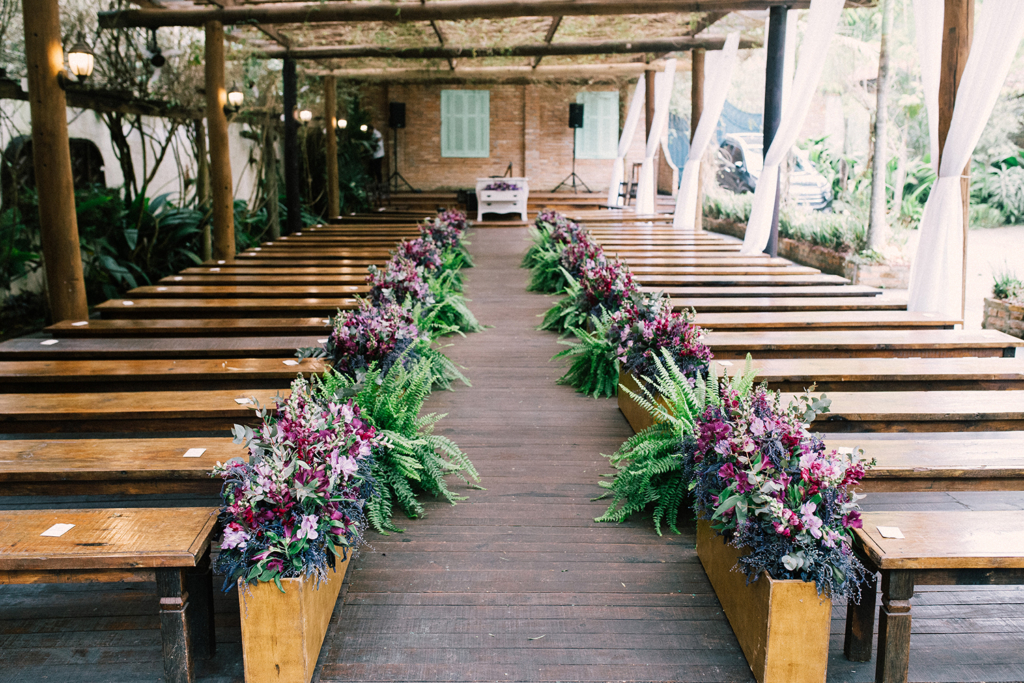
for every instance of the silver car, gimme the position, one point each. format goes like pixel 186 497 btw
pixel 741 158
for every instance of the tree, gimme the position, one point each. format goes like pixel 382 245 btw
pixel 877 228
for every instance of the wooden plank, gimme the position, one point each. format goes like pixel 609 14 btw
pixel 753 292
pixel 674 278
pixel 244 291
pixel 251 308
pixel 782 304
pixel 862 343
pixel 116 538
pixel 825 320
pixel 32 348
pixel 903 411
pixel 204 327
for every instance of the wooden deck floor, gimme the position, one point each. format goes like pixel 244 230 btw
pixel 517 583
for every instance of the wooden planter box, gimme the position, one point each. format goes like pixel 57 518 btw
pixel 782 626
pixel 1004 316
pixel 639 419
pixel 282 632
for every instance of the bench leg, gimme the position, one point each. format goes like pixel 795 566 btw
pixel 199 584
pixel 179 666
pixel 894 627
pixel 860 622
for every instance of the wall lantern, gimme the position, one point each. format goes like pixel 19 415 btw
pixel 235 99
pixel 364 128
pixel 304 116
pixel 81 59
pixel 342 124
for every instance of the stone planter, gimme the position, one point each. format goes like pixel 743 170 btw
pixel 1004 316
pixel 782 626
pixel 282 632
pixel 889 276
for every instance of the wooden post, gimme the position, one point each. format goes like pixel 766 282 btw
pixel 696 110
pixel 331 115
pixel 270 179
pixel 221 185
pixel 957 32
pixel 774 75
pixel 293 201
pixel 203 189
pixel 51 156
pixel 650 101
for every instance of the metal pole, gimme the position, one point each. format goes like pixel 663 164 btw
pixel 293 201
pixel 774 70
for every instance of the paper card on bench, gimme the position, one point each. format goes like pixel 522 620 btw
pixel 291 362
pixel 80 323
pixel 194 452
pixel 49 342
pixel 890 532
pixel 243 401
pixel 321 341
pixel 58 530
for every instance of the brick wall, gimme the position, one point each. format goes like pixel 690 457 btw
pixel 528 128
pixel 1003 316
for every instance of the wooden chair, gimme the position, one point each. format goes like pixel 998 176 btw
pixel 627 188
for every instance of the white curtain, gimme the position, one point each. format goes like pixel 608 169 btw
pixel 936 278
pixel 636 106
pixel 718 68
pixel 646 190
pixel 821 24
pixel 928 16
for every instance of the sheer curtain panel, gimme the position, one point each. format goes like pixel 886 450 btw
pixel 636 107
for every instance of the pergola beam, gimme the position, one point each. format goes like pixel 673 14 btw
pixel 548 37
pixel 494 74
pixel 596 47
pixel 450 10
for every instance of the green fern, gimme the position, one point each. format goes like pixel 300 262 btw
pixel 594 370
pixel 413 459
pixel 547 275
pixel 570 311
pixel 443 370
pixel 541 238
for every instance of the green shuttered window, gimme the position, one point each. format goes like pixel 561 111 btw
pixel 599 136
pixel 466 123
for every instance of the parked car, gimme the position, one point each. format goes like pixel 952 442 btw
pixel 741 158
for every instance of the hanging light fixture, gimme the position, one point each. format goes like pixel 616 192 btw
pixel 364 128
pixel 342 124
pixel 305 116
pixel 235 99
pixel 81 59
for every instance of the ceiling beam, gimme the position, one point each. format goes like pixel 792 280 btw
pixel 268 31
pixel 496 74
pixel 590 47
pixel 450 10
pixel 701 24
pixel 555 23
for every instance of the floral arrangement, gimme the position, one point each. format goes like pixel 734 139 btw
pixel 423 252
pixel 446 230
pixel 551 233
pixel 602 286
pixel 380 333
pixel 579 255
pixel 641 332
pixel 399 282
pixel 301 493
pixel 502 186
pixel 773 489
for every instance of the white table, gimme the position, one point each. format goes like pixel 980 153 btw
pixel 501 201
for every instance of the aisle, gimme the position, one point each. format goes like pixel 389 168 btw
pixel 518 582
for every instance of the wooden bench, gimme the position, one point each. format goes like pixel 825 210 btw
pixel 323 273
pixel 769 291
pixel 219 308
pixel 227 291
pixel 170 327
pixel 72 467
pixel 826 320
pixel 888 374
pixel 786 303
pixel 924 411
pixel 675 278
pixel 272 279
pixel 236 374
pixel 862 344
pixel 166 348
pixel 126 411
pixel 957 548
pixel 170 546
pixel 950 463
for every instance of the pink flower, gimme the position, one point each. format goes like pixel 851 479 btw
pixel 307 529
pixel 234 537
pixel 811 521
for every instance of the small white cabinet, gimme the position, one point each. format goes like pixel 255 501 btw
pixel 501 201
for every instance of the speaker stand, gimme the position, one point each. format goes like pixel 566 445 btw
pixel 572 176
pixel 396 180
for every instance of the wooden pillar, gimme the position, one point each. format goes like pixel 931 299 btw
pixel 293 200
pixel 650 101
pixel 696 110
pixel 221 185
pixel 51 156
pixel 331 116
pixel 270 179
pixel 203 189
pixel 957 32
pixel 774 76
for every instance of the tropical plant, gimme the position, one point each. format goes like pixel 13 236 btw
pixel 1007 286
pixel 411 458
pixel 592 369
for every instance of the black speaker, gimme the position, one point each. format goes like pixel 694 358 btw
pixel 575 115
pixel 396 114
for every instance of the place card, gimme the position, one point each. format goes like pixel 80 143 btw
pixel 844 450
pixel 890 532
pixel 221 262
pixel 194 452
pixel 269 244
pixel 298 234
pixel 291 362
pixel 127 303
pixel 178 278
pixel 321 341
pixel 49 342
pixel 161 289
pixel 214 270
pixel 724 363
pixel 58 530
pixel 80 323
pixel 257 248
pixel 243 401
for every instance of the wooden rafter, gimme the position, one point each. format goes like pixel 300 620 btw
pixel 269 31
pixel 495 74
pixel 450 10
pixel 590 47
pixel 700 25
pixel 555 23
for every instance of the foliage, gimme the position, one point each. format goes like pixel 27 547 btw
pixel 1000 187
pixel 301 492
pixel 1007 286
pixel 410 457
pixel 645 328
pixel 593 370
pixel 381 334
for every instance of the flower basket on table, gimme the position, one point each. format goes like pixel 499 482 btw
pixel 292 512
pixel 775 511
